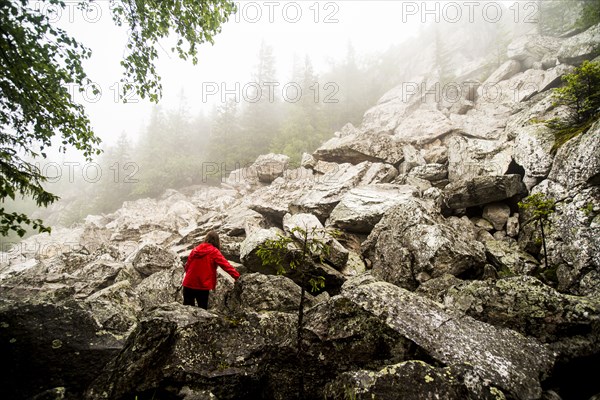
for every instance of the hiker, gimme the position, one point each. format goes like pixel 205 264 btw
pixel 201 270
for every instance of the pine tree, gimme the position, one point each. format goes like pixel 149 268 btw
pixel 305 126
pixel 261 118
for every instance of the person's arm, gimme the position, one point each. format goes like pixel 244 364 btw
pixel 227 267
pixel 187 263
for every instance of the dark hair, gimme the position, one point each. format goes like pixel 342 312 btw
pixel 212 237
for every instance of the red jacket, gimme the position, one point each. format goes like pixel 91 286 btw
pixel 201 267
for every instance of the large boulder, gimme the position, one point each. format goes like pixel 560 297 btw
pixel 500 357
pixel 251 245
pixel 160 288
pixel 529 49
pixel 584 46
pixel 509 259
pixel 270 166
pixel 357 148
pixel 115 308
pixel 482 190
pixel 273 201
pixel 507 70
pixel 152 258
pixel 412 159
pixel 260 293
pixel 430 172
pixel 525 304
pixel 242 179
pixel 340 336
pixel 573 243
pixel 328 191
pixel 577 162
pixel 393 106
pixel 422 126
pixel 533 150
pixel 470 157
pixel 299 224
pixel 362 207
pixel 168 214
pixel 413 243
pixel 95 276
pixel 497 214
pixel 178 349
pixel 417 379
pixel 46 346
pixel 569 325
pixel 238 220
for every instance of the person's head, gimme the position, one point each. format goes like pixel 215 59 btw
pixel 212 237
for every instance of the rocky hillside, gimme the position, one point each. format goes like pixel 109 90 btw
pixel 434 288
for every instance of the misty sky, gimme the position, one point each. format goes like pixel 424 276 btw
pixel 320 29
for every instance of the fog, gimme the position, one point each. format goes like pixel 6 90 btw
pixel 314 65
pixel 321 30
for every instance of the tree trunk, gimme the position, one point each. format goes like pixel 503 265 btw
pixel 299 350
pixel 544 245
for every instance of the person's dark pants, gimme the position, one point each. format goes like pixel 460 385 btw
pixel 191 296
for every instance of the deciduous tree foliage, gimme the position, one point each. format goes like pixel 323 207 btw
pixel 38 61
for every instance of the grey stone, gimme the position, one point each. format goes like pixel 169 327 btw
pixel 70 348
pixel 328 191
pixel 482 223
pixel 470 158
pixel 250 246
pixel 505 71
pixel 497 214
pixel 260 293
pixel 242 179
pixel 430 172
pixel 307 161
pixel 362 207
pixel 508 258
pixel 151 258
pixel 270 166
pixel 423 126
pixel 512 225
pixel 358 148
pixel 573 242
pixel 412 157
pixel 393 106
pixel 502 357
pixel 581 47
pixel 483 236
pixel 533 150
pixel 526 305
pixel 115 308
pixel 437 154
pixel 273 200
pixel 499 235
pixel 416 378
pixel 412 238
pixel 178 346
pixel 531 48
pixel 577 162
pixel 308 223
pixel 161 288
pixel 421 184
pixel 482 190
